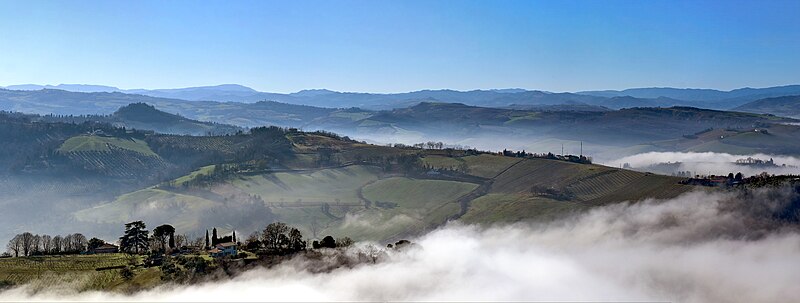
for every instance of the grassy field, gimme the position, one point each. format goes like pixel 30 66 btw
pixel 488 166
pixel 540 188
pixel 205 170
pixel 484 165
pixel 77 271
pixel 99 143
pixel 415 200
pixel 584 183
pixel 497 208
pixel 156 205
pixel 325 185
pixel 443 162
pixel 414 194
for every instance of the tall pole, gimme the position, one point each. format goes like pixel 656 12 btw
pixel 581 148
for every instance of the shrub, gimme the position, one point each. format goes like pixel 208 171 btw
pixel 126 273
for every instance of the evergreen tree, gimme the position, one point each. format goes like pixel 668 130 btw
pixel 207 244
pixel 214 238
pixel 95 243
pixel 135 239
pixel 163 234
pixel 234 236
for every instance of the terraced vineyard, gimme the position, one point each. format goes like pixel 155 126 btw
pixel 115 157
pixel 119 162
pixel 101 143
pixel 541 188
pixel 222 144
pixel 597 185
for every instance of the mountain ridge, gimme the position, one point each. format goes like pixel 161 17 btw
pixel 649 96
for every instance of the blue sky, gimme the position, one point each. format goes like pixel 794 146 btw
pixel 393 46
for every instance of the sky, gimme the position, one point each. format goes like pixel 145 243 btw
pixel 397 46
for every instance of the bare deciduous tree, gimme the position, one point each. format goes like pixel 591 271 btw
pixel 181 240
pixel 57 244
pixel 272 235
pixel 15 245
pixel 36 244
pixel 66 243
pixel 371 253
pixel 47 244
pixel 27 243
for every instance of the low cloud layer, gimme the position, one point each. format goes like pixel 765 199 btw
pixel 700 247
pixel 710 163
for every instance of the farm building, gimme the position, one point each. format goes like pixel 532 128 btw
pixel 106 249
pixel 223 250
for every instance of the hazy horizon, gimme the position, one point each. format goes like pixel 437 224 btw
pixel 6 86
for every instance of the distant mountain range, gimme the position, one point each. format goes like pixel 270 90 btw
pixel 636 97
pixel 60 102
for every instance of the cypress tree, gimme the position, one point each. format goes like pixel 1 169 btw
pixel 234 236
pixel 207 238
pixel 214 236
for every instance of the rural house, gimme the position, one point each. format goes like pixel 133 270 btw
pixel 223 250
pixel 106 249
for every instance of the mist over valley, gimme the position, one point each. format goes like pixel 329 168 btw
pixel 399 151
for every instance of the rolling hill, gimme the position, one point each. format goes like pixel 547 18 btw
pixel 540 129
pixel 617 128
pixel 147 117
pixel 532 127
pixel 786 106
pixel 365 201
pixel 320 182
pixel 708 98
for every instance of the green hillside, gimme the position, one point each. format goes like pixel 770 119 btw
pixel 312 186
pixel 103 143
pixel 485 165
pixel 366 202
pixel 768 139
pixel 418 194
pixel 543 189
pixel 321 182
pixel 126 158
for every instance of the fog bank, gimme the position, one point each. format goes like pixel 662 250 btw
pixel 700 247
pixel 710 163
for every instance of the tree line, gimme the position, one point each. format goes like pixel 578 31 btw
pixel 28 244
pixel 569 158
